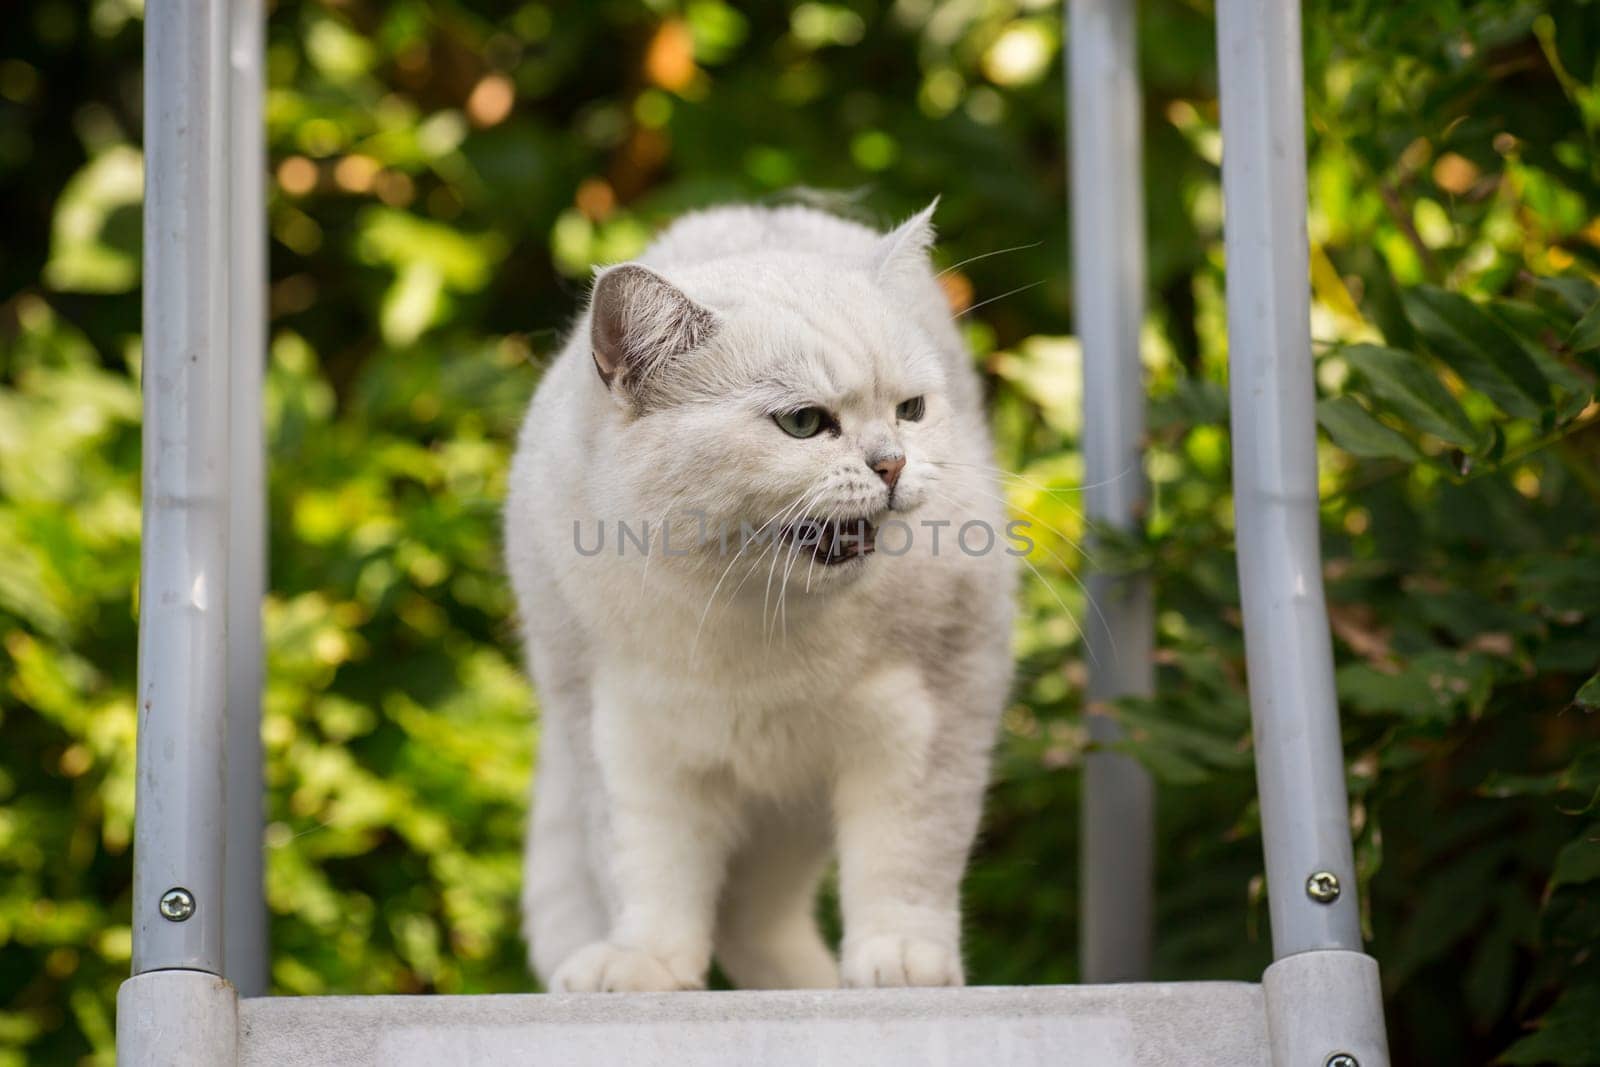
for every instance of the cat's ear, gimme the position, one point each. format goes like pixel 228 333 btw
pixel 639 321
pixel 902 253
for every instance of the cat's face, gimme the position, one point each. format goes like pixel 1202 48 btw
pixel 805 411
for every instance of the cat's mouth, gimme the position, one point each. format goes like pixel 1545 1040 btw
pixel 833 541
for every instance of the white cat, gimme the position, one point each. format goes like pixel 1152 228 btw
pixel 779 391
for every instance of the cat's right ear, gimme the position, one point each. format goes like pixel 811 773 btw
pixel 640 324
pixel 902 253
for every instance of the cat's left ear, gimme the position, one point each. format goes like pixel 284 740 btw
pixel 902 253
pixel 639 323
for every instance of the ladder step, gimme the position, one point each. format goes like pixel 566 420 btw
pixel 1192 1024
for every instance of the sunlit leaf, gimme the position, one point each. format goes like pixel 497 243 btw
pixel 1330 288
pixel 461 261
pixel 95 239
pixel 412 304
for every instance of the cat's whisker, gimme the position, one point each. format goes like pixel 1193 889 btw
pixel 1084 487
pixel 782 612
pixel 1063 604
pixel 767 597
pixel 1001 472
pixel 1078 545
pixel 1005 503
pixel 783 591
pixel 755 564
pixel 1002 296
pixel 743 544
pixel 644 574
pixel 1066 568
pixel 986 255
pixel 833 513
pixel 1089 597
pixel 1056 493
pixel 771 543
pixel 753 568
pixel 783 586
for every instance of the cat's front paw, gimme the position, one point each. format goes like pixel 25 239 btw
pixel 603 967
pixel 893 960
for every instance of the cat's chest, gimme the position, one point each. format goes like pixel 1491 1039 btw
pixel 781 730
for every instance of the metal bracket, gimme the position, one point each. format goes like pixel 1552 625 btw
pixel 1325 1008
pixel 177 1019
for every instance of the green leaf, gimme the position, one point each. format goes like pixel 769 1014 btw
pixel 1568 1033
pixel 1442 916
pixel 1576 293
pixel 1490 977
pixel 1408 386
pixel 1578 862
pixel 1534 327
pixel 1580 777
pixel 1589 693
pixel 1586 334
pixel 1436 685
pixel 1355 430
pixel 1480 350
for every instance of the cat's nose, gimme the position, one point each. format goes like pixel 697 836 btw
pixel 889 468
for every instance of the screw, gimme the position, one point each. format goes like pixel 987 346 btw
pixel 177 904
pixel 1323 887
pixel 1342 1059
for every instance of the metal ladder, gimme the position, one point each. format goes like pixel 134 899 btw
pixel 199 922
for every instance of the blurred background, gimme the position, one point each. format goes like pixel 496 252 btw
pixel 444 176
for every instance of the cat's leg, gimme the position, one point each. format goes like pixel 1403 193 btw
pixel 767 935
pixel 562 904
pixel 907 803
pixel 670 834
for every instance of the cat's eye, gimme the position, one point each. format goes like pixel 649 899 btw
pixel 910 410
pixel 807 422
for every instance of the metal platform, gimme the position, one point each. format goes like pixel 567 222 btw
pixel 1113 1026
pixel 1310 1010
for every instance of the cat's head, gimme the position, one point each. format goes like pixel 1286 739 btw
pixel 776 407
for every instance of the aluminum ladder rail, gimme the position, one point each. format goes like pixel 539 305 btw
pixel 1117 849
pixel 198 923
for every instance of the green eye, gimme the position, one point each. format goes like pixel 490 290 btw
pixel 807 422
pixel 910 410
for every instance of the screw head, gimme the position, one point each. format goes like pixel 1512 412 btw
pixel 1323 887
pixel 177 904
pixel 1341 1059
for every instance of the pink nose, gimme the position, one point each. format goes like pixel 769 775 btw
pixel 889 469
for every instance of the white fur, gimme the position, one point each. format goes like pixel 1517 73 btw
pixel 715 727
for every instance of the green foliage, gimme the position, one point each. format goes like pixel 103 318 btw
pixel 445 176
